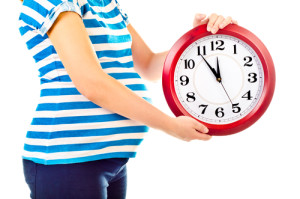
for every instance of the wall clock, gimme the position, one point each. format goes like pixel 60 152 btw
pixel 225 80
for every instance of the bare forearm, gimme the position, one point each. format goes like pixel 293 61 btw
pixel 155 67
pixel 111 94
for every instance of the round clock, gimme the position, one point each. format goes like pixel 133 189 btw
pixel 225 80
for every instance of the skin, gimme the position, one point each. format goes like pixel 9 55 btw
pixel 75 50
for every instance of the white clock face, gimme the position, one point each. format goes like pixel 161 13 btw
pixel 219 79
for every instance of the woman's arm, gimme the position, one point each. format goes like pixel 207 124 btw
pixel 75 50
pixel 150 65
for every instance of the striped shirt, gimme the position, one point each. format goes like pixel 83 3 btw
pixel 67 127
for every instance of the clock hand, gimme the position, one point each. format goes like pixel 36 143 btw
pixel 219 79
pixel 211 68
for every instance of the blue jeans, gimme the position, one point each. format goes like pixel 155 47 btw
pixel 101 179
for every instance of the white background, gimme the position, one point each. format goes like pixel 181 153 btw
pixel 260 162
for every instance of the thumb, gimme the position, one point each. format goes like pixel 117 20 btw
pixel 198 20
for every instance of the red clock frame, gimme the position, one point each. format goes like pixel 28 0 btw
pixel 242 34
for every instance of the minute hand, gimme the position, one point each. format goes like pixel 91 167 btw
pixel 211 68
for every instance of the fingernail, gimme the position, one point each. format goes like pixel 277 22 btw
pixel 214 30
pixel 208 28
pixel 222 26
pixel 206 130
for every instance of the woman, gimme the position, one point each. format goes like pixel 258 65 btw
pixel 93 110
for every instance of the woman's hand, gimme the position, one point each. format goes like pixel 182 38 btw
pixel 214 22
pixel 187 129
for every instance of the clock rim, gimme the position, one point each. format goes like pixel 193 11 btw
pixel 246 36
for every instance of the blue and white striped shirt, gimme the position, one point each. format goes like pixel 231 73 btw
pixel 67 127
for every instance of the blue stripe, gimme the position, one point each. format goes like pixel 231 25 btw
pixel 49 67
pixel 63 78
pixel 86 132
pixel 80 147
pixel 124 75
pixel 137 87
pixel 29 20
pixel 35 41
pixel 114 53
pixel 59 91
pixel 94 23
pixel 44 53
pixel 77 119
pixel 99 39
pixel 83 159
pixel 24 29
pixel 116 64
pixel 66 106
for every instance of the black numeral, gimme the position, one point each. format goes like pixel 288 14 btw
pixel 234 49
pixel 247 95
pixel 203 50
pixel 253 77
pixel 189 64
pixel 236 108
pixel 219 44
pixel 190 97
pixel 219 112
pixel 184 80
pixel 248 61
pixel 204 108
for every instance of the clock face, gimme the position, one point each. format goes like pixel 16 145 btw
pixel 218 79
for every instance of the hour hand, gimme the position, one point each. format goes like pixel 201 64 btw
pixel 209 66
pixel 219 79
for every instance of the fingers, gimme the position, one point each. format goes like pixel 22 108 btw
pixel 201 132
pixel 217 22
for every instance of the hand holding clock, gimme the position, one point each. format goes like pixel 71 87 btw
pixel 214 22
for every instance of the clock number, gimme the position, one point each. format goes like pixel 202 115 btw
pixel 204 108
pixel 219 112
pixel 247 95
pixel 234 49
pixel 184 80
pixel 236 108
pixel 203 50
pixel 218 42
pixel 189 64
pixel 190 97
pixel 254 76
pixel 248 61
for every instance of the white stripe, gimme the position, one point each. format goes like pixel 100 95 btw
pixel 55 73
pixel 33 14
pixel 112 46
pixel 71 85
pixel 124 59
pixel 83 126
pixel 106 31
pixel 28 35
pixel 51 58
pixel 76 98
pixel 81 140
pixel 109 7
pixel 47 4
pixel 69 113
pixel 78 154
pixel 63 98
pixel 119 70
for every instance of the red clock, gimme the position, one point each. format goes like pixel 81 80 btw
pixel 225 80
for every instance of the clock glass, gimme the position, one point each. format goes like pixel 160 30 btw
pixel 218 79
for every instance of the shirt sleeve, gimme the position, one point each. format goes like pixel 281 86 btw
pixel 123 14
pixel 41 14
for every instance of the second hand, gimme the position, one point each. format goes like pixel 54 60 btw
pixel 226 93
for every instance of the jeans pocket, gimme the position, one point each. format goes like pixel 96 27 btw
pixel 29 169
